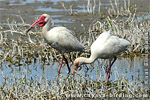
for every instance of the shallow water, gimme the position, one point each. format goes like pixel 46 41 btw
pixel 130 68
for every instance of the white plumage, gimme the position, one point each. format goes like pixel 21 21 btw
pixel 62 39
pixel 106 46
pixel 59 38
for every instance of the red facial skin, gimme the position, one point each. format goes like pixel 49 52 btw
pixel 76 67
pixel 40 21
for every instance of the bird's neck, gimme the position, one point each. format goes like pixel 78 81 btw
pixel 46 27
pixel 89 60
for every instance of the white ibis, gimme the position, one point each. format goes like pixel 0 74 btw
pixel 106 46
pixel 59 38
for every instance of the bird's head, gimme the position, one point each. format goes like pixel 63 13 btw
pixel 77 63
pixel 43 19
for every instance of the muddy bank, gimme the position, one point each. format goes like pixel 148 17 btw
pixel 29 9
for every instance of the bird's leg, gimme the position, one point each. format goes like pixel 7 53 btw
pixel 67 64
pixel 109 69
pixel 60 65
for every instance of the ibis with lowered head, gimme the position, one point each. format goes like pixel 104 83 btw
pixel 106 46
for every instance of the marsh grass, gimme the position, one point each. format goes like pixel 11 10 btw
pixel 68 87
pixel 20 49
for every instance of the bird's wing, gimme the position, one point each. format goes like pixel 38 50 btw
pixel 116 45
pixel 100 41
pixel 98 48
pixel 68 42
pixel 107 45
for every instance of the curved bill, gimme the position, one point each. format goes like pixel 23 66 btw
pixel 74 69
pixel 28 30
pixel 34 24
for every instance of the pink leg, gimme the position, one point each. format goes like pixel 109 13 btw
pixel 60 65
pixel 109 69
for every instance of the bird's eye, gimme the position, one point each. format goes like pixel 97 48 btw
pixel 77 64
pixel 43 17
